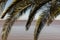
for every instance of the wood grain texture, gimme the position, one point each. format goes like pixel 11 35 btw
pixel 18 31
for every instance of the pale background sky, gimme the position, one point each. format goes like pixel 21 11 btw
pixel 25 16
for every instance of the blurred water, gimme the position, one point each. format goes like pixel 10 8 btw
pixel 48 33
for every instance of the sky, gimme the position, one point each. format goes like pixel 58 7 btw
pixel 25 16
